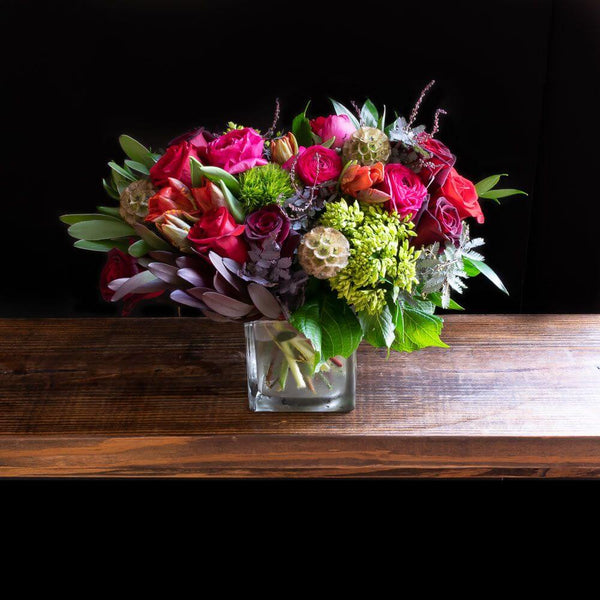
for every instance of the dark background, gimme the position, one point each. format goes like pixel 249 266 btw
pixel 519 79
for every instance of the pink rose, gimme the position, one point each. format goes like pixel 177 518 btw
pixel 316 164
pixel 236 151
pixel 405 189
pixel 338 126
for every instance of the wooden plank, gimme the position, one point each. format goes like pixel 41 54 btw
pixel 297 456
pixel 504 376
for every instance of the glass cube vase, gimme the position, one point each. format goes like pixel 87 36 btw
pixel 281 375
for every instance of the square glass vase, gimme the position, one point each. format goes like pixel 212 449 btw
pixel 281 374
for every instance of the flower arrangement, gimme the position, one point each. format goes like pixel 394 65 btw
pixel 344 228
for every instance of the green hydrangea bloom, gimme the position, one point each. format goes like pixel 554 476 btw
pixel 381 256
pixel 264 185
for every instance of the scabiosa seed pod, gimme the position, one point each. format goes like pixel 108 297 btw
pixel 367 145
pixel 134 201
pixel 323 252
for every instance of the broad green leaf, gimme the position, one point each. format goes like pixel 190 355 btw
pixel 120 182
pixel 111 211
pixel 137 166
pixel 487 271
pixel 488 183
pixel 381 122
pixel 470 269
pixel 307 320
pixel 121 171
pixel 100 229
pixel 302 130
pixel 436 298
pixel 139 248
pixel 340 109
pixel 233 204
pixel 214 174
pixel 136 151
pixel 101 245
pixel 341 330
pixel 421 330
pixel 79 218
pixel 369 114
pixel 378 330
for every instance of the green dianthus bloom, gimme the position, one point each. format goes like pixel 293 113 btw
pixel 381 257
pixel 264 185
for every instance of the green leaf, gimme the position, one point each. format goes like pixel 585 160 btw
pixel 111 211
pixel 436 298
pixel 136 151
pixel 233 204
pixel 328 143
pixel 470 269
pixel 151 239
pixel 369 114
pixel 214 174
pixel 488 183
pixel 307 320
pixel 378 330
pixel 121 171
pixel 137 166
pixel 341 330
pixel 302 130
pixel 381 122
pixel 139 248
pixel 421 330
pixel 101 245
pixel 110 190
pixel 79 218
pixel 340 109
pixel 487 271
pixel 501 193
pixel 100 229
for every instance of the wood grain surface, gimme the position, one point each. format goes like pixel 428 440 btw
pixel 513 396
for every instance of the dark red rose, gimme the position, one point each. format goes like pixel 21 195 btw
pixel 439 163
pixel 119 265
pixel 270 222
pixel 175 163
pixel 461 192
pixel 439 223
pixel 216 230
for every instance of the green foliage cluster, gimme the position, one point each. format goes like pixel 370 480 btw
pixel 381 257
pixel 260 186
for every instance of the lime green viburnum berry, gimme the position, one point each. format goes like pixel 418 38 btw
pixel 381 257
pixel 264 185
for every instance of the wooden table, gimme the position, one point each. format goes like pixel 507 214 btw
pixel 515 396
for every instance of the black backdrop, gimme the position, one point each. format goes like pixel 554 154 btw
pixel 519 79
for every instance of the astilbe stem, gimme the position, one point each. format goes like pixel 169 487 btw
pixel 271 130
pixel 415 110
pixel 436 121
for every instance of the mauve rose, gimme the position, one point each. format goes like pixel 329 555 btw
pixel 175 162
pixel 441 161
pixel 218 231
pixel 439 223
pixel 405 189
pixel 338 126
pixel 236 151
pixel 267 223
pixel 118 265
pixel 316 164
pixel 461 192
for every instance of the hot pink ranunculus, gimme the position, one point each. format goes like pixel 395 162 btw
pixel 236 151
pixel 406 190
pixel 316 164
pixel 338 126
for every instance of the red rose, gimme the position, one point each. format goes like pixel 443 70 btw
pixel 462 194
pixel 175 162
pixel 218 231
pixel 119 265
pixel 316 164
pixel 439 223
pixel 439 163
